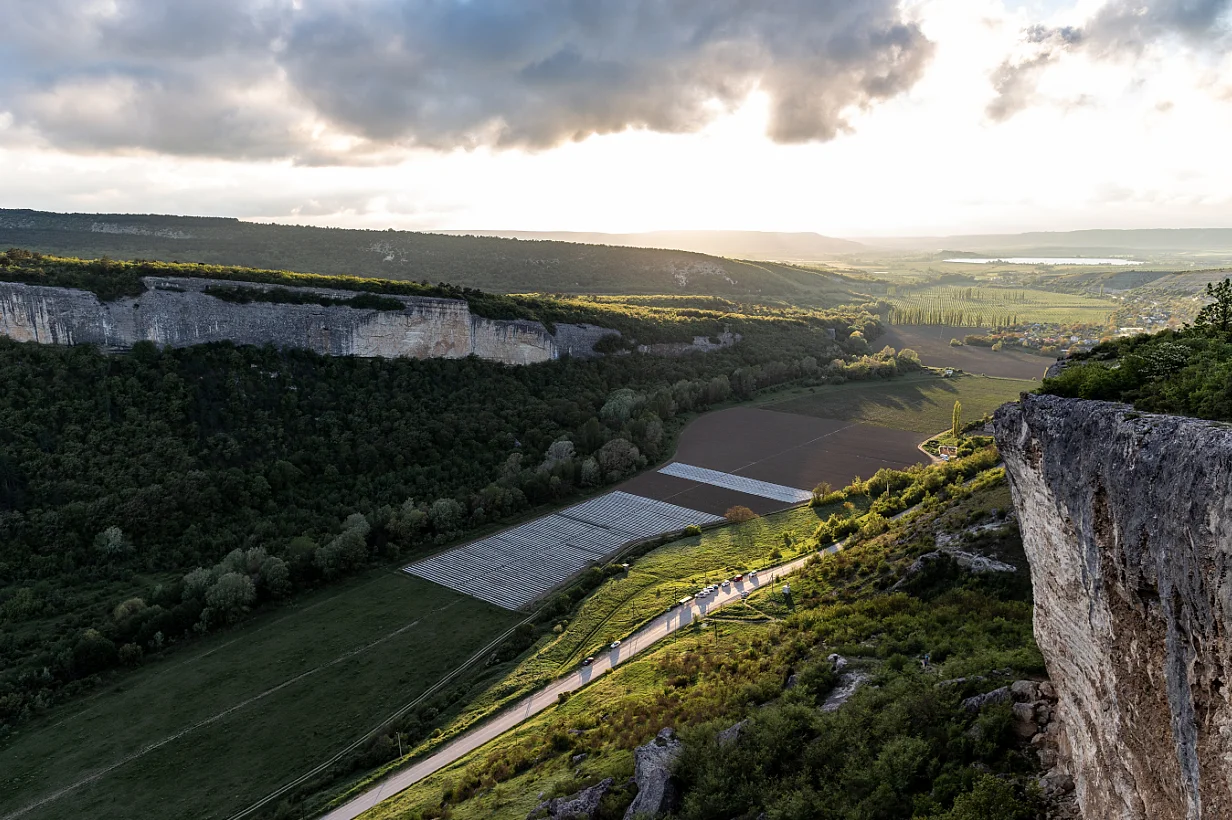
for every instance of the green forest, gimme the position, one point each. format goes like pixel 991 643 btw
pixel 152 496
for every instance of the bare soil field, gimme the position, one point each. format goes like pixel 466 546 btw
pixel 932 342
pixel 780 447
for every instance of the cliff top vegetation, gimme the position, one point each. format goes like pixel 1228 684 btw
pixel 642 319
pixel 1186 372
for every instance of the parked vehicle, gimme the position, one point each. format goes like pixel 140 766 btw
pixel 738 578
pixel 615 645
pixel 588 661
pixel 726 584
pixel 744 596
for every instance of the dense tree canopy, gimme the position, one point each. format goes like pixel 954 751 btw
pixel 196 484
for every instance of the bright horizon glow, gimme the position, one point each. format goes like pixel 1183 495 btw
pixel 1104 144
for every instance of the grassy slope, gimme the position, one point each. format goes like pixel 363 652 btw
pixel 921 403
pixel 653 582
pixel 343 660
pixel 700 677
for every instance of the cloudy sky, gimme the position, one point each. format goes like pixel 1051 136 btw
pixel 846 117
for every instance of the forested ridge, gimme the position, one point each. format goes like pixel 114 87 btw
pixel 493 264
pixel 641 319
pixel 150 496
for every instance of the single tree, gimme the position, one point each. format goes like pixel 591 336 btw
pixel 1218 314
pixel 956 427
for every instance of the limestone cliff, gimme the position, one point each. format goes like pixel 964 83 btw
pixel 1127 523
pixel 175 312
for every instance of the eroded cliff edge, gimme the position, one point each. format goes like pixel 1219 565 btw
pixel 176 312
pixel 1127 523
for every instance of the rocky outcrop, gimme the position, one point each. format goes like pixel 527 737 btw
pixel 700 344
pixel 1127 523
pixel 175 312
pixel 581 806
pixel 657 793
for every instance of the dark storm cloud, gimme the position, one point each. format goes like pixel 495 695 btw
pixel 195 77
pixel 1121 28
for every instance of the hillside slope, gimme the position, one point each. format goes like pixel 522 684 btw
pixel 494 264
pixel 800 246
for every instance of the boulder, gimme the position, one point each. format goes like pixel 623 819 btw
pixel 731 734
pixel 848 683
pixel 657 793
pixel 584 804
pixel 1024 720
pixel 977 702
pixel 1024 691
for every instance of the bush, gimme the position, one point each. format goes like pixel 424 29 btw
pixel 738 515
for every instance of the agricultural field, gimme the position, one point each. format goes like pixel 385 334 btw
pixel 923 404
pixel 932 343
pixel 992 307
pixel 211 729
pixel 796 451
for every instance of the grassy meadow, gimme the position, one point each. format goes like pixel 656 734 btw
pixel 207 731
pixel 923 403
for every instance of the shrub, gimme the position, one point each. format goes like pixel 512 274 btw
pixel 738 514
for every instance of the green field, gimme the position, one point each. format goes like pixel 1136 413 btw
pixel 245 710
pixel 923 404
pixel 993 307
pixel 653 581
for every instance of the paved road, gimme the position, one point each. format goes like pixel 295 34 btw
pixel 526 708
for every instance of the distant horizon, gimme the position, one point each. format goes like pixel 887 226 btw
pixel 583 232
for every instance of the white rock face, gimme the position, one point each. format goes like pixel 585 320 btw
pixel 175 312
pixel 1127 523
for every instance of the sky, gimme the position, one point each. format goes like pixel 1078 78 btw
pixel 850 118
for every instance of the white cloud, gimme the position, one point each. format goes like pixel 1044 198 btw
pixel 1105 143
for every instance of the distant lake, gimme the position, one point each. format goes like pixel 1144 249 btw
pixel 1046 260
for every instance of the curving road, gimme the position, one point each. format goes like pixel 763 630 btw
pixel 639 641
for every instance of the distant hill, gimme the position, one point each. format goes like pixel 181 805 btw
pixel 1089 242
pixel 491 263
pixel 793 247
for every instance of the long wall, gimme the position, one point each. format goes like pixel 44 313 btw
pixel 175 312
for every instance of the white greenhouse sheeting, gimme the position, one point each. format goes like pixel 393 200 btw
pixel 514 567
pixel 731 481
